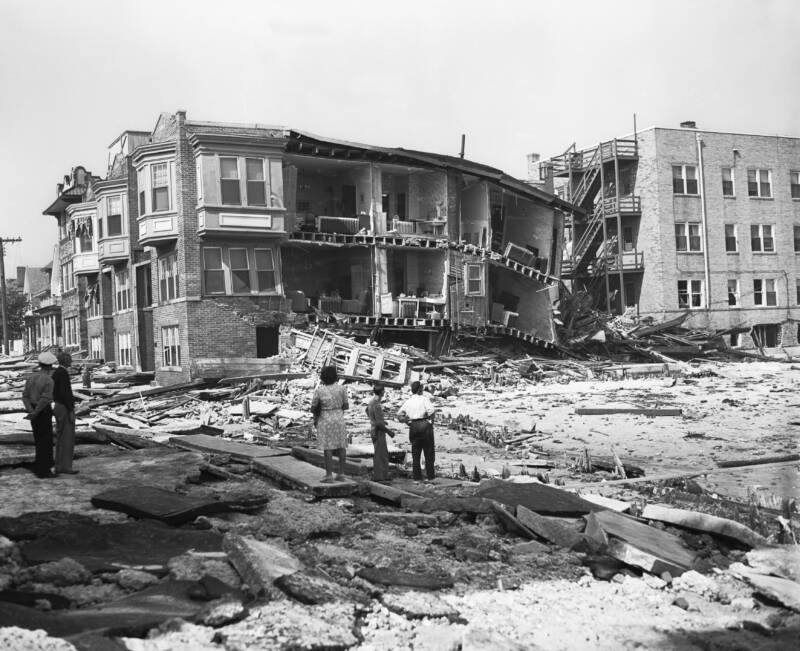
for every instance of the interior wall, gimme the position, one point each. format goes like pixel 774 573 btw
pixel 421 269
pixel 534 304
pixel 426 190
pixel 475 214
pixel 323 272
pixel 528 224
pixel 321 193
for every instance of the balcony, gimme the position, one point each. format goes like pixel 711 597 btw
pixel 246 221
pixel 85 263
pixel 157 228
pixel 631 261
pixel 113 249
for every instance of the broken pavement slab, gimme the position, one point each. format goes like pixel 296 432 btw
pixel 451 503
pixel 705 523
pixel 288 471
pixel 316 457
pixel 781 561
pixel 310 587
pixel 419 605
pixel 549 528
pixel 259 563
pixel 236 450
pixel 779 589
pixel 539 498
pixel 389 576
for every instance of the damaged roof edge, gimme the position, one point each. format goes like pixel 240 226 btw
pixel 445 161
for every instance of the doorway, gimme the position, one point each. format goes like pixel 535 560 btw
pixel 266 341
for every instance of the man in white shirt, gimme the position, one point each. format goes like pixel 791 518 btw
pixel 419 411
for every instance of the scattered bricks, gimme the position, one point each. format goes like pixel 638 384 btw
pixel 259 563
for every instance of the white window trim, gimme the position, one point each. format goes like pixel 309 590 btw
pixel 733 182
pixel 758 171
pixel 144 177
pixel 794 179
pixel 128 347
pixel 764 292
pixel 227 271
pixel 122 221
pixel 685 228
pixel 690 293
pixel 241 168
pixel 170 338
pixel 467 267
pixel 761 238
pixel 684 178
pixel 737 293
pixel 735 237
pixel 117 284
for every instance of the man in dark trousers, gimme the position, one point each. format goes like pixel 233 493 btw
pixel 419 411
pixel 65 415
pixel 37 396
pixel 378 432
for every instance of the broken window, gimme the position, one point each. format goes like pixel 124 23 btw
pixel 474 276
pixel 213 273
pixel 766 335
pixel 731 238
pixel 761 240
pixel 687 237
pixel 733 292
pixel 240 271
pixel 690 294
pixel 114 216
pixel 727 181
pixel 759 183
pixel 171 342
pixel 256 184
pixel 229 180
pixel 684 179
pixel 265 270
pixel 168 277
pixel 764 292
pixel 159 174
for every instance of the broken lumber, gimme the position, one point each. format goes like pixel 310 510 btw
pixel 636 543
pixel 550 529
pixel 388 576
pixel 259 563
pixel 387 492
pixel 640 411
pixel 706 523
pixel 539 498
pixel 740 463
pixel 276 377
pixel 85 407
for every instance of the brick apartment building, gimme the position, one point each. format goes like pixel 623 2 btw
pixel 209 241
pixel 684 220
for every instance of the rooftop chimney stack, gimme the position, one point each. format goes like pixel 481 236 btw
pixel 533 167
pixel 689 124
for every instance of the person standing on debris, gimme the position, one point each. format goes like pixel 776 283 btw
pixel 37 396
pixel 64 410
pixel 327 406
pixel 378 432
pixel 418 410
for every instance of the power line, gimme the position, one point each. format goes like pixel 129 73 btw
pixel 3 242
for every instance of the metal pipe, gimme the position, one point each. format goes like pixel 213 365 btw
pixel 703 218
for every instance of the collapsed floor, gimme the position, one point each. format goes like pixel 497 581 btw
pixel 567 514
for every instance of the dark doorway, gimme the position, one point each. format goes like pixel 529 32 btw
pixel 766 335
pixel 348 201
pixel 266 341
pixel 144 311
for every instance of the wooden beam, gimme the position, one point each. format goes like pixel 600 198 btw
pixel 602 411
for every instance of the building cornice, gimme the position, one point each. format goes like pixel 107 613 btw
pixel 153 150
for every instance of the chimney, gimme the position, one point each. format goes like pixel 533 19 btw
pixel 533 166
pixel 689 124
pixel 181 116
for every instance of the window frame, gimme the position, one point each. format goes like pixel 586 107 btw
pixel 685 180
pixel 94 307
pixel 223 180
pixel 271 271
pixel 234 272
pixel 154 188
pixel 110 214
pixel 170 346
pixel 796 233
pixel 761 238
pixel 227 271
pixel 735 294
pixel 731 238
pixel 762 292
pixel 122 290
pixel 686 228
pixel 67 276
pixel 71 337
pixel 220 270
pixel 755 189
pixel 690 284
pixel 473 266
pixel 794 185
pixel 96 352
pixel 124 354
pixel 731 181
pixel 262 181
pixel 168 287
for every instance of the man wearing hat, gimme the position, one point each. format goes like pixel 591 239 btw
pixel 37 397
pixel 418 410
pixel 64 409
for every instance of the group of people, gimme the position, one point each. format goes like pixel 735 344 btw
pixel 328 406
pixel 48 393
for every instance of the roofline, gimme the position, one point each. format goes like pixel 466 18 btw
pixel 137 132
pixel 238 125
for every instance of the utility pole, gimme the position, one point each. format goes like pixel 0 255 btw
pixel 3 242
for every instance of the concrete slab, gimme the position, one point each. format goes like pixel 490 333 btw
pixel 294 473
pixel 215 445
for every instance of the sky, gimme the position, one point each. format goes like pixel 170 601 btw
pixel 515 76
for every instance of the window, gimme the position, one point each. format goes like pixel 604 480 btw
pixel 265 270
pixel 474 275
pixel 123 349
pixel 256 185
pixel 84 241
pixel 727 182
pixel 96 347
pixel 168 277
pixel 229 180
pixel 764 293
pixel 122 292
pixel 142 193
pixel 171 342
pixel 687 237
pixel 733 292
pixel 71 331
pixel 240 271
pixel 690 294
pixel 731 238
pixel 230 270
pixel 794 184
pixel 114 216
pixel 213 273
pixel 759 183
pixel 627 238
pixel 92 301
pixel 684 179
pixel 67 277
pixel 796 238
pixel 159 174
pixel 761 240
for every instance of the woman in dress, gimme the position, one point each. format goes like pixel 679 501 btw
pixel 327 406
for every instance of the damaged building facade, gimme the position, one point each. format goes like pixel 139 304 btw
pixel 210 241
pixel 671 221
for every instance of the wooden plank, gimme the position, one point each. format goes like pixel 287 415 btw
pixel 357 466
pixel 603 411
pixel 757 461
pixel 387 492
pixel 125 397
pixel 539 498
pixel 654 543
pixel 276 377
pixel 549 528
pixel 216 445
pixel 703 522
pixel 292 472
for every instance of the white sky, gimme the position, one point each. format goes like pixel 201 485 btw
pixel 515 76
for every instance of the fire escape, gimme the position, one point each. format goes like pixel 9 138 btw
pixel 598 253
